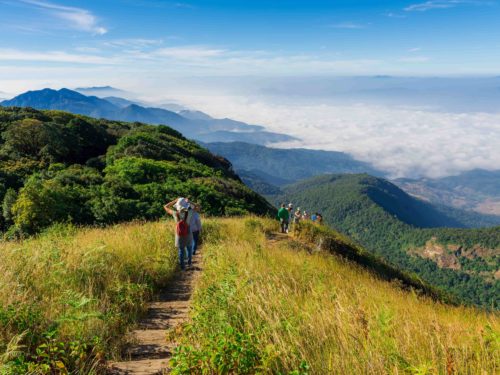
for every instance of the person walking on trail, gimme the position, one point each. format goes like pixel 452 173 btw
pixel 196 228
pixel 182 213
pixel 284 217
pixel 319 220
pixel 290 216
pixel 297 216
pixel 305 216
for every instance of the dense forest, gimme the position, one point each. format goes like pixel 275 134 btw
pixel 60 167
pixel 389 222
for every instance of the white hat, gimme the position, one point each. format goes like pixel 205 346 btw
pixel 290 205
pixel 181 204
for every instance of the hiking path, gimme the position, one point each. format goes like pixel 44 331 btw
pixel 150 350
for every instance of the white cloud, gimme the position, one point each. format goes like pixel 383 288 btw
pixel 133 43
pixel 348 25
pixel 75 18
pixel 416 49
pixel 405 142
pixel 189 52
pixel 53 56
pixel 394 15
pixel 442 4
pixel 414 59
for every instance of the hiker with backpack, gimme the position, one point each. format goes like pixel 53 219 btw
pixel 284 217
pixel 196 227
pixel 182 212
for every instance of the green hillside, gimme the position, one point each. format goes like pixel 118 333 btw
pixel 310 304
pixel 281 166
pixel 406 232
pixel 60 167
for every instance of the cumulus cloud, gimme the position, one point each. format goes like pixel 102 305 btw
pixel 405 142
pixel 75 18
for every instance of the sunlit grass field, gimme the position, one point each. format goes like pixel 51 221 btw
pixel 69 296
pixel 275 307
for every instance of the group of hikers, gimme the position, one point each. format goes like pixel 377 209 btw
pixel 187 219
pixel 188 226
pixel 287 216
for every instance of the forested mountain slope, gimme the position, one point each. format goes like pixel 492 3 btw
pixel 60 167
pixel 283 166
pixel 407 233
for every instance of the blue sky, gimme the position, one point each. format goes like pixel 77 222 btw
pixel 222 37
pixel 270 62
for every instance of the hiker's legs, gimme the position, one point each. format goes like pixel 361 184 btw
pixel 196 235
pixel 181 256
pixel 282 225
pixel 189 249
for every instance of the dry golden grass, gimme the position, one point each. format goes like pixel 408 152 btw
pixel 85 285
pixel 330 313
pixel 261 306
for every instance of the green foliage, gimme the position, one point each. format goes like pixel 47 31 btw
pixel 226 345
pixel 59 167
pixel 388 222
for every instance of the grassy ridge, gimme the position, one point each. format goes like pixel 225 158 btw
pixel 388 222
pixel 334 242
pixel 272 307
pixel 68 296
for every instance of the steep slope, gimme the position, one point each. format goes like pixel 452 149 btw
pixel 203 129
pixel 392 224
pixel 60 167
pixel 274 304
pixel 281 166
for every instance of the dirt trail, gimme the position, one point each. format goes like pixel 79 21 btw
pixel 149 352
pixel 276 237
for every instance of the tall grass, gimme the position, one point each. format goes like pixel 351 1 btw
pixel 68 296
pixel 273 307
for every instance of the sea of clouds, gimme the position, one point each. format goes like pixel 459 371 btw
pixel 404 142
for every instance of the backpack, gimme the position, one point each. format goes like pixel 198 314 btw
pixel 182 227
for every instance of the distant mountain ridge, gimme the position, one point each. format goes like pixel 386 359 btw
pixel 282 166
pixel 477 190
pixel 202 129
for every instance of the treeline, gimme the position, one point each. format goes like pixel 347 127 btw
pixel 346 205
pixel 60 167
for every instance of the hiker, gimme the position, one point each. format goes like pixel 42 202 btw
pixel 284 217
pixel 319 219
pixel 305 216
pixel 297 216
pixel 314 217
pixel 182 213
pixel 196 227
pixel 290 216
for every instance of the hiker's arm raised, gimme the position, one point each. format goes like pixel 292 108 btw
pixel 168 207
